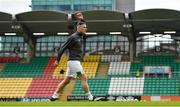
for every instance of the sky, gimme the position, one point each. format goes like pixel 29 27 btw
pixel 167 4
pixel 19 6
pixel 15 6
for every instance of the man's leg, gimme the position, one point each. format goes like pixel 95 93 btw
pixel 60 88
pixel 85 86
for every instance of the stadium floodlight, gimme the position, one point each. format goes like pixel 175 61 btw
pixel 91 33
pixel 115 33
pixel 169 32
pixel 144 32
pixel 9 33
pixel 38 33
pixel 63 33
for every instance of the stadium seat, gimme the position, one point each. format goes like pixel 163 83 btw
pixel 34 68
pixel 14 87
pixel 161 87
pixel 122 86
pixel 98 87
pixel 42 87
pixel 119 68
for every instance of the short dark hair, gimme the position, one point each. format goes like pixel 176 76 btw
pixel 81 23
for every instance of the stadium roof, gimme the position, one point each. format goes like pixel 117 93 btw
pixel 104 22
pixel 5 23
pixel 155 21
pixel 47 22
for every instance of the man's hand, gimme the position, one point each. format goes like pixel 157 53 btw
pixel 56 63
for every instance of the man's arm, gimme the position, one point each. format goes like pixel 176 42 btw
pixel 64 47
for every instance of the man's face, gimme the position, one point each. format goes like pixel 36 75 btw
pixel 79 16
pixel 82 28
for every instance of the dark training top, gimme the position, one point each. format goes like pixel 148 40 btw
pixel 74 46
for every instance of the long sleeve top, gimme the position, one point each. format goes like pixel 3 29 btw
pixel 74 46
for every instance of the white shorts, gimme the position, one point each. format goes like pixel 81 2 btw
pixel 74 69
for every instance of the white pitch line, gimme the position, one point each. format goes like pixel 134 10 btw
pixel 88 106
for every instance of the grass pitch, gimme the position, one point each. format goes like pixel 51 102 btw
pixel 88 104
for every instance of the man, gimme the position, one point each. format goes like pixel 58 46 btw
pixel 72 22
pixel 74 46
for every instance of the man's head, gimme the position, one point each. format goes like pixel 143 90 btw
pixel 78 15
pixel 81 27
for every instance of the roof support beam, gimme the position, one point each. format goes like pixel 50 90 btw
pixel 29 39
pixel 131 37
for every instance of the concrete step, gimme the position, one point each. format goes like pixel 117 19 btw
pixel 102 70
